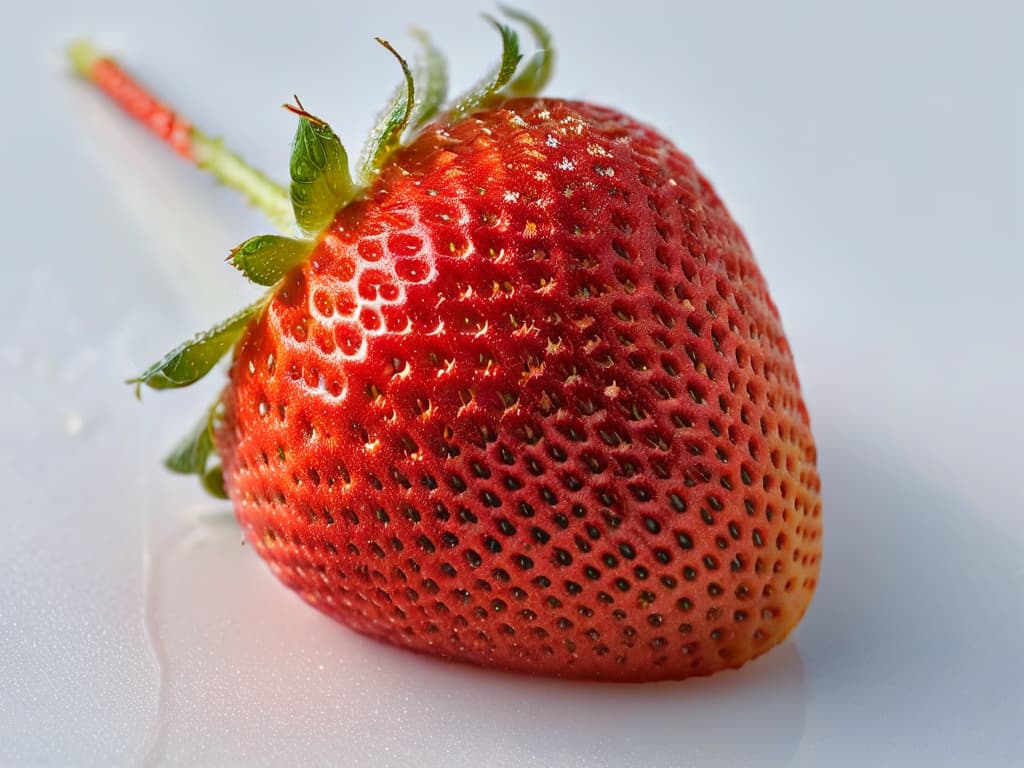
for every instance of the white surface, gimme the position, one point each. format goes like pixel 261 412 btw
pixel 873 154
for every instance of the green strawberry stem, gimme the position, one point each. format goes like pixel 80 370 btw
pixel 188 141
pixel 232 170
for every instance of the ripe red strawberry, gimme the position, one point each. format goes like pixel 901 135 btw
pixel 523 400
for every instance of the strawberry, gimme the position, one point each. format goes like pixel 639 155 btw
pixel 519 398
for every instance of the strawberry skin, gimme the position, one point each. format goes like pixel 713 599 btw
pixel 529 405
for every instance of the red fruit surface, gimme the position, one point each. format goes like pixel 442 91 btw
pixel 529 405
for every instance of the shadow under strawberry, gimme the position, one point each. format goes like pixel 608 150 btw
pixel 902 648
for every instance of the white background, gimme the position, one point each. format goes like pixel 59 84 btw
pixel 873 154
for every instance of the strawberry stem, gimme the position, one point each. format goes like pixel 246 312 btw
pixel 188 141
pixel 212 156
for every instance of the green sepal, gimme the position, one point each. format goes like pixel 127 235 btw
pixel 191 456
pixel 213 482
pixel 265 259
pixel 432 74
pixel 321 183
pixel 481 94
pixel 387 134
pixel 189 362
pixel 535 75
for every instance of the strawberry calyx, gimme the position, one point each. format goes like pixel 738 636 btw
pixel 265 259
pixel 535 75
pixel 321 186
pixel 486 91
pixel 431 74
pixel 193 359
pixel 387 136
pixel 321 182
pixel 195 454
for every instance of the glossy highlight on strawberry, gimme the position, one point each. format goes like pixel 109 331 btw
pixel 521 400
